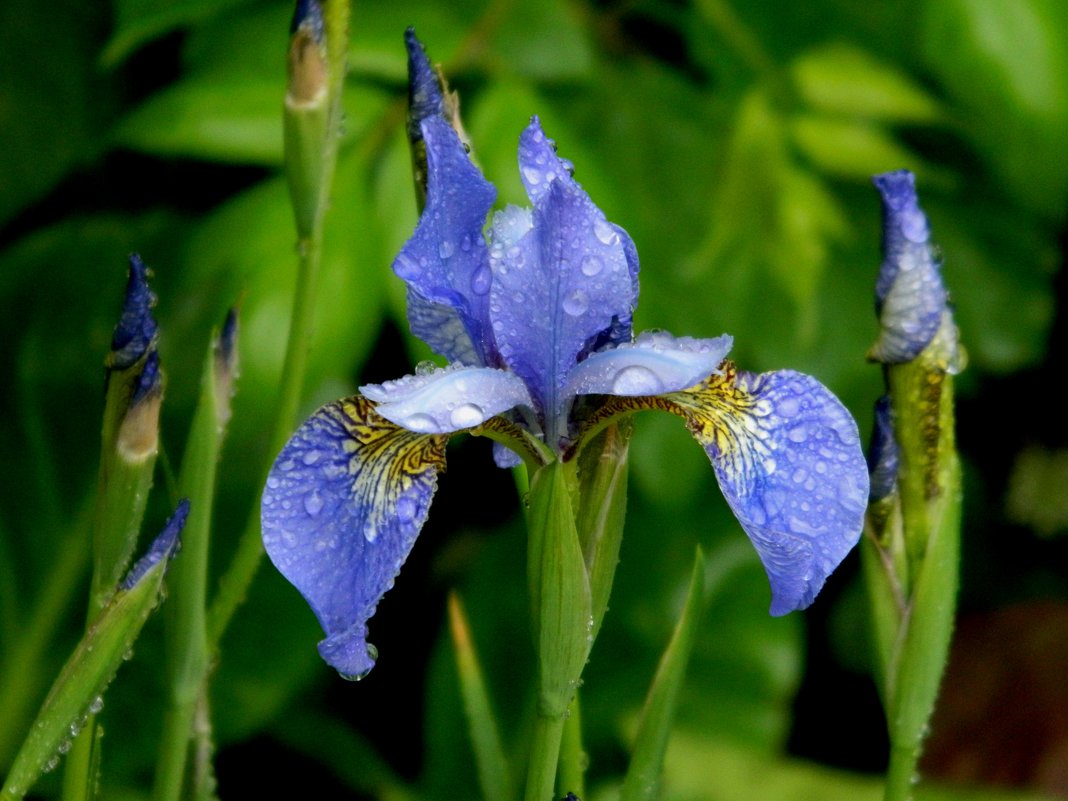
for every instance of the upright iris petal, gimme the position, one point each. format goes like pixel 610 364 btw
pixel 561 277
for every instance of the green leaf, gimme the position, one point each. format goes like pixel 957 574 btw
pixel 559 590
pixel 643 774
pixel 702 768
pixel 140 21
pixel 843 80
pixel 850 148
pixel 235 120
pixel 493 773
pixel 77 692
pixel 603 467
pixel 1006 64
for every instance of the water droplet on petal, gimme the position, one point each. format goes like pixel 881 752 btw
pixel 420 423
pixel 466 415
pixel 576 303
pixel 405 509
pixel 311 457
pixel 636 380
pixel 425 367
pixel 313 503
pixel 606 232
pixel 406 267
pixel 798 433
pixel 480 281
pixel 446 248
pixel 370 531
pixel 592 265
pixel 532 175
pixel 465 243
pixel 788 407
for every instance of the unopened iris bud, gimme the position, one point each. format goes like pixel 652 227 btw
pixel 135 381
pixel 136 330
pixel 226 367
pixel 910 298
pixel 428 96
pixel 163 548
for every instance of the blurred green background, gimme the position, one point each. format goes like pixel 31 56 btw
pixel 734 142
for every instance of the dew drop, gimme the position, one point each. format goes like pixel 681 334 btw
pixel 425 367
pixel 420 423
pixel 576 303
pixel 465 243
pixel 64 747
pixel 97 705
pixel 406 509
pixel 370 531
pixel 446 248
pixel 797 433
pixel 788 407
pixel 480 281
pixel 466 415
pixel 313 503
pixel 636 380
pixel 591 265
pixel 532 175
pixel 406 267
pixel 51 764
pixel 606 232
pixel 310 458
pixel 273 482
pixel 287 465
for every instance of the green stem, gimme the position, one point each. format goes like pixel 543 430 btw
pixel 572 754
pixel 234 584
pixel 544 756
pixel 238 577
pixel 901 774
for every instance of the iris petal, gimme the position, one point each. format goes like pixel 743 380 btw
pixel 656 362
pixel 788 459
pixel 563 283
pixel 445 263
pixel 343 504
pixel 448 399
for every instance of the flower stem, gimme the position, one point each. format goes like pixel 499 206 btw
pixel 302 120
pixel 544 755
pixel 572 754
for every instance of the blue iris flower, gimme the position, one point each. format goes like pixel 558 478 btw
pixel 533 315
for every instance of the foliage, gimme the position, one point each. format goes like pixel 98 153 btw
pixel 732 141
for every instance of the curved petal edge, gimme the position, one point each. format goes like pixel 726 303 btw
pixel 788 459
pixel 343 505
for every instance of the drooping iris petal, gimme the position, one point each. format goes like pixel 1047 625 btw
pixel 909 294
pixel 788 459
pixel 561 284
pixel 448 399
pixel 445 263
pixel 656 362
pixel 343 504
